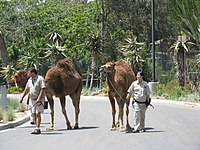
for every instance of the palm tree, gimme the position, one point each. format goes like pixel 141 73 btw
pixel 179 50
pixel 186 15
pixel 94 46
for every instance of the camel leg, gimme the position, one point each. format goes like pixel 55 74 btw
pixel 76 102
pixel 62 102
pixel 118 121
pixel 112 102
pixel 121 114
pixel 51 104
pixel 127 119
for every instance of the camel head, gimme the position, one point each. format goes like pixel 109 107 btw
pixel 109 67
pixel 20 77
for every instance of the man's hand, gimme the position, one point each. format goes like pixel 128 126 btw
pixel 148 102
pixel 21 100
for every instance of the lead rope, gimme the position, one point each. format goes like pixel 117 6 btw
pixel 123 100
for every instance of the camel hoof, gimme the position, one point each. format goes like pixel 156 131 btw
pixel 122 129
pixel 49 129
pixel 69 127
pixel 76 126
pixel 113 129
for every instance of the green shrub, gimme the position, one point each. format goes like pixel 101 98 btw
pixel 9 115
pixel 14 90
pixel 159 89
pixel 1 114
pixel 12 104
pixel 173 91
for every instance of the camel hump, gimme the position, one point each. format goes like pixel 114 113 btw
pixel 123 64
pixel 66 65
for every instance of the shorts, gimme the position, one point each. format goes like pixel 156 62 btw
pixel 37 107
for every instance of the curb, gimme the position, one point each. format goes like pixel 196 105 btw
pixel 15 123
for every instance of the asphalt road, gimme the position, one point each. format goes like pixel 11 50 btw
pixel 169 126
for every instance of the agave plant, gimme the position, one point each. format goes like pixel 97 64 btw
pixel 55 50
pixel 8 71
pixel 133 51
pixel 30 60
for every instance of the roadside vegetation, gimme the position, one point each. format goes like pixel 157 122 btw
pixel 9 113
pixel 172 91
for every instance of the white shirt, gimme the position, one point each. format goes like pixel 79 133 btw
pixel 139 90
pixel 35 85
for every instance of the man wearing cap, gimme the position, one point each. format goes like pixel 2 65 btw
pixel 141 95
pixel 36 88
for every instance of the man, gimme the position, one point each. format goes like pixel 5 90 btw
pixel 141 94
pixel 36 88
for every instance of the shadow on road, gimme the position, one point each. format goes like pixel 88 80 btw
pixel 147 130
pixel 81 128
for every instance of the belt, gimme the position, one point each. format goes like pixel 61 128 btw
pixel 140 102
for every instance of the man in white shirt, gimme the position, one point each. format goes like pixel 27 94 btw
pixel 36 88
pixel 141 94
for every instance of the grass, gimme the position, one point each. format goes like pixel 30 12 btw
pixel 8 114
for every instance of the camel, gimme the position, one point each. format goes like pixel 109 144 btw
pixel 62 80
pixel 119 76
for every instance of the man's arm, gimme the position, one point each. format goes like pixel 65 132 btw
pixel 42 93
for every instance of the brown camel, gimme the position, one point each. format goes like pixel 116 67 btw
pixel 119 76
pixel 21 78
pixel 62 80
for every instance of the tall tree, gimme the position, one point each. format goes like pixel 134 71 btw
pixel 186 16
pixel 3 50
pixel 179 49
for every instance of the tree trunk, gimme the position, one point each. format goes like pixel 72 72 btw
pixel 3 51
pixel 181 66
pixel 93 66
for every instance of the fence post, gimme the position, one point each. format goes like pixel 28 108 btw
pixel 3 96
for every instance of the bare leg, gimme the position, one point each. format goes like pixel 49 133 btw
pixel 38 119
